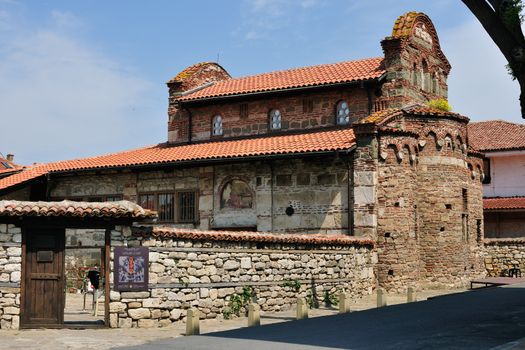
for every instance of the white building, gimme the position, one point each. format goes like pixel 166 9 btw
pixel 503 144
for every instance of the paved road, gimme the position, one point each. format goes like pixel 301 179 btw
pixel 481 319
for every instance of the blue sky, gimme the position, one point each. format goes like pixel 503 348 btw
pixel 81 78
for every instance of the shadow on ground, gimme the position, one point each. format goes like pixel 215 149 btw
pixel 480 319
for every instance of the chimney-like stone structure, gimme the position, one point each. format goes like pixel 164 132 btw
pixel 193 78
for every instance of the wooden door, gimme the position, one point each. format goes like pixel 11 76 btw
pixel 43 294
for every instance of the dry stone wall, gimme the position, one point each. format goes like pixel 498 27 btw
pixel 206 274
pixel 504 254
pixel 10 272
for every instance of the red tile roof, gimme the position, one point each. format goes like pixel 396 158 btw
pixel 496 135
pixel 504 241
pixel 314 239
pixel 7 167
pixel 76 209
pixel 414 109
pixel 503 203
pixel 343 72
pixel 321 141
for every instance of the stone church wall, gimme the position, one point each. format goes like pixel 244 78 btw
pixel 316 189
pixel 205 274
pixel 295 114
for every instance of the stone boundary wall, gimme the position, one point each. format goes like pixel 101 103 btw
pixel 186 272
pixel 10 269
pixel 504 253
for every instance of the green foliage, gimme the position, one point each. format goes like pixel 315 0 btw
pixel 441 104
pixel 330 299
pixel 312 301
pixel 237 302
pixel 184 283
pixel 295 285
pixel 511 71
pixel 511 13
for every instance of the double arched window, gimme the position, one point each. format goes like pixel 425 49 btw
pixel 216 128
pixel 275 119
pixel 343 113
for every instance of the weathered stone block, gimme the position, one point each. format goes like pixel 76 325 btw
pixel 140 313
pixel 134 295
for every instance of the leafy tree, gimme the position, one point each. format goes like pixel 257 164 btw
pixel 502 20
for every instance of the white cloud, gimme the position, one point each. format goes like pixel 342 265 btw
pixel 479 85
pixel 61 98
pixel 262 18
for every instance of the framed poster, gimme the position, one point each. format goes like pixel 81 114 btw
pixel 131 269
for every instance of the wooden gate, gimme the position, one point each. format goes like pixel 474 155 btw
pixel 43 293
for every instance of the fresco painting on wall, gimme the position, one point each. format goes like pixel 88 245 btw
pixel 236 194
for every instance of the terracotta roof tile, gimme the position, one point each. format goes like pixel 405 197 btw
pixel 313 239
pixel 504 241
pixel 7 166
pixel 321 141
pixel 379 116
pixel 343 72
pixel 500 203
pixel 118 209
pixel 414 109
pixel 496 135
pixel 404 23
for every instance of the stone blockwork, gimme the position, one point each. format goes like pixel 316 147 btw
pixel 205 274
pixel 502 254
pixel 426 209
pixel 10 274
pixel 316 188
pixel 417 69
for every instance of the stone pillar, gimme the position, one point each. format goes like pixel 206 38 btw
pixel 254 315
pixel 302 309
pixel 344 303
pixel 411 295
pixel 192 322
pixel 381 297
pixel 365 182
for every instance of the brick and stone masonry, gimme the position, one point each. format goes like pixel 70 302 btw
pixel 205 273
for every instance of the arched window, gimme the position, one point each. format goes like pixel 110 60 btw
pixel 275 119
pixel 217 126
pixel 236 194
pixel 343 113
pixel 414 75
pixel 425 77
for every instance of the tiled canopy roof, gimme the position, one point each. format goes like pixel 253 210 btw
pixel 496 135
pixel 323 141
pixel 343 72
pixel 314 239
pixel 502 203
pixel 415 109
pixel 121 209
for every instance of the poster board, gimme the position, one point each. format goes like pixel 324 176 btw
pixel 131 269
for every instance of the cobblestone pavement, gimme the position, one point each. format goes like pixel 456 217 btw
pixel 109 338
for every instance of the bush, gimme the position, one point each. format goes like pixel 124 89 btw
pixel 440 104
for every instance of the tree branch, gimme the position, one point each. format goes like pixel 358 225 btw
pixel 503 38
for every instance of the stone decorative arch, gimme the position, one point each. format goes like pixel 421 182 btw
pixel 448 140
pixel 418 25
pixel 235 192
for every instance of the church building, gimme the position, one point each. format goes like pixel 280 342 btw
pixel 348 148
